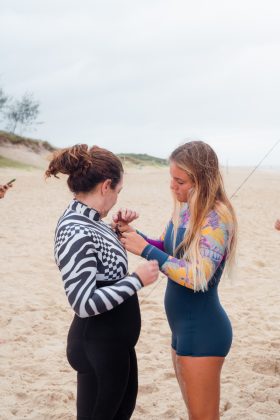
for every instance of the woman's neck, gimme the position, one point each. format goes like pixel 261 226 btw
pixel 91 200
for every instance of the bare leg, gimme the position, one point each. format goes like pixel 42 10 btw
pixel 174 361
pixel 199 380
pixel 173 355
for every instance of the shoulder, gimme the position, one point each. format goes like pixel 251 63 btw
pixel 184 215
pixel 217 227
pixel 74 233
pixel 70 225
pixel 217 219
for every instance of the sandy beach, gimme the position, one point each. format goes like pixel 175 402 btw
pixel 36 381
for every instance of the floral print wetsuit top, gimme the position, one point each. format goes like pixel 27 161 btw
pixel 213 244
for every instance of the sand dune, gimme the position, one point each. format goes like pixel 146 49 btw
pixel 24 154
pixel 36 381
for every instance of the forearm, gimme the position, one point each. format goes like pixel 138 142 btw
pixel 96 301
pixel 77 261
pixel 173 268
pixel 178 269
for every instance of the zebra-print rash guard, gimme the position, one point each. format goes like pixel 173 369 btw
pixel 87 251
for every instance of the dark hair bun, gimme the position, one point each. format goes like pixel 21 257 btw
pixel 69 161
pixel 85 167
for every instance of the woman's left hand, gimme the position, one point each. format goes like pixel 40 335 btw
pixel 125 216
pixel 133 242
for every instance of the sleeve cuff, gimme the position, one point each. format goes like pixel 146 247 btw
pixel 150 252
pixel 138 278
pixel 141 234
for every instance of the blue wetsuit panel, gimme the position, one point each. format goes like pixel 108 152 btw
pixel 199 324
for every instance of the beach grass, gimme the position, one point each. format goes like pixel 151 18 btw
pixel 9 163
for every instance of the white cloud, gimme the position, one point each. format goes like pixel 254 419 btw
pixel 142 76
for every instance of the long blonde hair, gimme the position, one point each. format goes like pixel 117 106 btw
pixel 201 164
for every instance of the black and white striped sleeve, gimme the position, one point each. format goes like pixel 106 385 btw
pixel 76 259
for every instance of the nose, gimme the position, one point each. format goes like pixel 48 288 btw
pixel 172 185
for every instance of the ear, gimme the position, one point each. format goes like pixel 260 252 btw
pixel 106 186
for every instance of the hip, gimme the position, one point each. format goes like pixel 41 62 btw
pixel 122 323
pixel 194 309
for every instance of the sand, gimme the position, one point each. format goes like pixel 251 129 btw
pixel 36 380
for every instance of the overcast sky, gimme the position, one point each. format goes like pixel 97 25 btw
pixel 143 76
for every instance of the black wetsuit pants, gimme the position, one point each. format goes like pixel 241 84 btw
pixel 101 350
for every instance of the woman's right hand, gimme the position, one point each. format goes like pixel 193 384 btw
pixel 148 272
pixel 277 224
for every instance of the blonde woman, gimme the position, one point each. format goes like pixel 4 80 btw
pixel 197 244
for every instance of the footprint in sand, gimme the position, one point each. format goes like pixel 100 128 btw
pixel 169 414
pixel 148 389
pixel 21 395
pixel 260 264
pixel 267 367
pixel 275 344
pixel 227 406
pixel 169 375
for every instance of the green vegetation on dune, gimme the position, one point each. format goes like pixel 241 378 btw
pixel 35 145
pixel 142 159
pixel 39 146
pixel 9 163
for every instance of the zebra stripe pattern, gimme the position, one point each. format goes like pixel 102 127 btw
pixel 87 251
